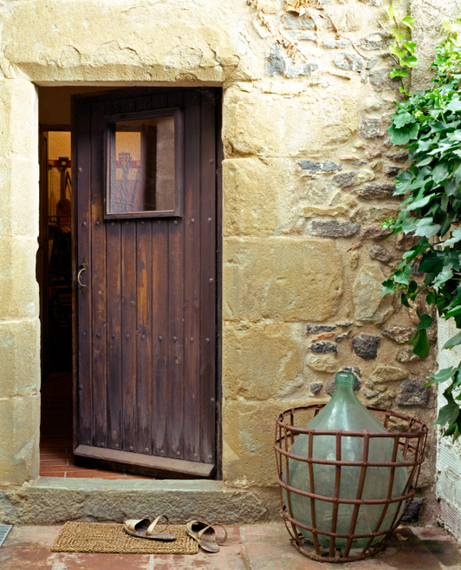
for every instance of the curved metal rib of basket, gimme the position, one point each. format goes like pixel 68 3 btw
pixel 412 444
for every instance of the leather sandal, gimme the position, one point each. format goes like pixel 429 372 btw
pixel 205 535
pixel 145 528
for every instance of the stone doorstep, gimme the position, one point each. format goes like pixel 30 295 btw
pixel 55 500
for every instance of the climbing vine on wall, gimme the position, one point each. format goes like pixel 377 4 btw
pixel 429 124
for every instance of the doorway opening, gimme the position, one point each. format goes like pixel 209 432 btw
pixel 130 281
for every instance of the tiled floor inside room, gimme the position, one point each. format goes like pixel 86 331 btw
pixel 56 459
pixel 249 547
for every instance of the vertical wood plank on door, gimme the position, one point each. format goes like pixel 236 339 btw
pixel 81 137
pixel 208 278
pixel 98 262
pixel 129 343
pixel 192 332
pixel 144 336
pixel 175 359
pixel 161 336
pixel 114 348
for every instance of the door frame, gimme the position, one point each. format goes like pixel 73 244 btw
pixel 139 91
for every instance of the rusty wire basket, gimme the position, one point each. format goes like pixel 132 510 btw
pixel 407 435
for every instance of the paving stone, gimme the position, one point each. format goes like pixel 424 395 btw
pixel 231 557
pixel 27 558
pixel 86 561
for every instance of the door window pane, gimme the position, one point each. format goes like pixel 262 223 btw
pixel 142 167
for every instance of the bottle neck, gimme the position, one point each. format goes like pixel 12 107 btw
pixel 343 390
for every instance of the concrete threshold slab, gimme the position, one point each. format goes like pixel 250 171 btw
pixel 55 500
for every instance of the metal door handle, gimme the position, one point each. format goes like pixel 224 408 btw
pixel 82 285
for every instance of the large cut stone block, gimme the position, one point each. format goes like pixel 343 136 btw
pixel 258 196
pixel 18 119
pixel 262 361
pixel 248 439
pixel 281 278
pixel 19 437
pixel 19 197
pixel 303 124
pixel 19 358
pixel 18 286
pixel 125 41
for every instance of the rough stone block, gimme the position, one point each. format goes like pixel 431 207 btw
pixel 370 305
pixel 366 346
pixel 383 373
pixel 248 436
pixel 413 392
pixel 333 228
pixel 19 119
pixel 380 253
pixel 18 286
pixel 373 191
pixel 264 361
pixel 299 124
pixel 371 215
pixel 281 278
pixel 19 197
pixel 19 431
pixel 258 196
pixel 322 362
pixel 19 358
pixel 400 335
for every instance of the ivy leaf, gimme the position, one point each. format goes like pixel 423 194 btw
pixel 453 341
pixel 454 312
pixel 442 375
pixel 455 237
pixel 443 276
pixel 448 414
pixel 398 73
pixel 424 323
pixel 403 275
pixel 404 135
pixel 454 106
pixel 440 172
pixel 402 119
pixel 426 228
pixel 420 342
pixel 388 287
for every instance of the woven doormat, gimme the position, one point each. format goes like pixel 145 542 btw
pixel 111 538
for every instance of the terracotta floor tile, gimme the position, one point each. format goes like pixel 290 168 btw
pixel 32 536
pixel 81 561
pixel 270 555
pixel 26 558
pixel 262 532
pixel 228 558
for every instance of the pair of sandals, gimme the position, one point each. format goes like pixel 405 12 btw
pixel 202 532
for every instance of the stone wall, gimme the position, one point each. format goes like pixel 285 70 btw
pixel 308 177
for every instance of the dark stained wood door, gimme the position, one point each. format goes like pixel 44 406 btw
pixel 146 305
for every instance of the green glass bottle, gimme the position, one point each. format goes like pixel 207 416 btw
pixel 344 412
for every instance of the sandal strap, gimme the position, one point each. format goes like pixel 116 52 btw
pixel 151 528
pixel 222 540
pixel 212 526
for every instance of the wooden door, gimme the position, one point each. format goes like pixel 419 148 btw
pixel 146 302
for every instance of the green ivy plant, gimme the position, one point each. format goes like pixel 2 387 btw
pixel 429 125
pixel 403 49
